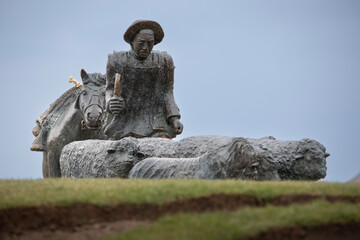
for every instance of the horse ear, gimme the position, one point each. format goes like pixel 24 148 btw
pixel 84 75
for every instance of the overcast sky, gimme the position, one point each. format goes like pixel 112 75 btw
pixel 288 69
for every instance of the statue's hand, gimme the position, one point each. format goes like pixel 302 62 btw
pixel 176 125
pixel 116 105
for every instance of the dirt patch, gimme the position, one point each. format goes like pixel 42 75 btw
pixel 79 232
pixel 19 222
pixel 332 231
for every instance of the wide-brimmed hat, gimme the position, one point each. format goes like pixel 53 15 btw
pixel 138 25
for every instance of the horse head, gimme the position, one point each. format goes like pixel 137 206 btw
pixel 91 100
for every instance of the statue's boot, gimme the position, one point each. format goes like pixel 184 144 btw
pixel 36 130
pixel 38 144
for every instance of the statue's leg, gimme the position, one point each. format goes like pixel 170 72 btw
pixel 45 166
pixel 53 163
pixel 55 146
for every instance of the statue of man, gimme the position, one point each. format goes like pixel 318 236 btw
pixel 146 105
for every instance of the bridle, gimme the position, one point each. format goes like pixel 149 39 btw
pixel 95 94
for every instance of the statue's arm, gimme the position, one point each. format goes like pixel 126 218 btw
pixel 173 112
pixel 110 79
pixel 114 104
pixel 171 107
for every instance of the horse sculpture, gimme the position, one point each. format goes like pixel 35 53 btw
pixel 77 115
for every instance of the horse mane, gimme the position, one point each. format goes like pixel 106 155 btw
pixel 95 78
pixel 50 116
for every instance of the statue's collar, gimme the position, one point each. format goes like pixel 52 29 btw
pixel 133 54
pixel 134 61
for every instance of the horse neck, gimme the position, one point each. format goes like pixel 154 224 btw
pixel 70 117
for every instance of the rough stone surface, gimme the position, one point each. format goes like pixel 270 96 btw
pixel 203 157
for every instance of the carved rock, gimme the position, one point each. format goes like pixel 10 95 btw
pixel 203 157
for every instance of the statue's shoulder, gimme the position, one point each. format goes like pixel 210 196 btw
pixel 118 57
pixel 163 58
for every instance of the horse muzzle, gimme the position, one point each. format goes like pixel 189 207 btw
pixel 93 121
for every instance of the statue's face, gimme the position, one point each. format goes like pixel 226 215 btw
pixel 143 43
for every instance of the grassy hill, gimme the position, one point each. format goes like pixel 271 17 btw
pixel 175 209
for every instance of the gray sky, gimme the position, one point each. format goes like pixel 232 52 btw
pixel 288 69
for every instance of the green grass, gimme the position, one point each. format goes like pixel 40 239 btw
pixel 19 193
pixel 244 222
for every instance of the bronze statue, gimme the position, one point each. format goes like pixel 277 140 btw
pixel 146 105
pixel 134 104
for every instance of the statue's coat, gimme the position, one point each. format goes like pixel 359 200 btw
pixel 147 90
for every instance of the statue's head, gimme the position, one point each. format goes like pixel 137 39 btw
pixel 143 43
pixel 142 35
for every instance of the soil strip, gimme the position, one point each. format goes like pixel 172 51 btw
pixel 17 221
